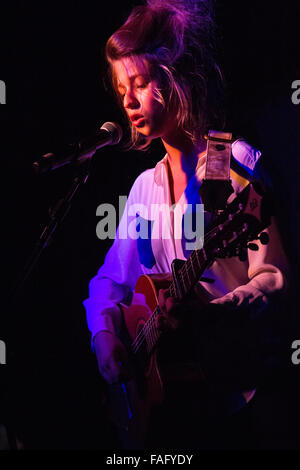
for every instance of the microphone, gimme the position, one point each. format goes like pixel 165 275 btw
pixel 109 134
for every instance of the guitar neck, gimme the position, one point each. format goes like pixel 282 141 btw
pixel 187 277
pixel 189 274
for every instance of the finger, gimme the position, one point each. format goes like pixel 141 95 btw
pixel 226 299
pixel 162 297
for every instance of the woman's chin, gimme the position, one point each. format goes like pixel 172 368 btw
pixel 146 131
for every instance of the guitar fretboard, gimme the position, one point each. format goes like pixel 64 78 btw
pixel 187 277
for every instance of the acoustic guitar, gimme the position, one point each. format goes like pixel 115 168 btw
pixel 243 221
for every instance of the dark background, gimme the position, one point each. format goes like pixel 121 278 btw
pixel 51 61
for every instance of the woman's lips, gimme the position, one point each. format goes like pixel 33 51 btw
pixel 139 122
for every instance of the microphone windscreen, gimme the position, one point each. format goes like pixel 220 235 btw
pixel 115 130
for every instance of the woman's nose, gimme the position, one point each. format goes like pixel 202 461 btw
pixel 131 101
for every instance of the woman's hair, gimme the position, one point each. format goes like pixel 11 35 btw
pixel 177 39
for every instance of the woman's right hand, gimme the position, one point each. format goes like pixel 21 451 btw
pixel 169 319
pixel 112 357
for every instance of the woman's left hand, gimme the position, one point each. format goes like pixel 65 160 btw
pixel 243 296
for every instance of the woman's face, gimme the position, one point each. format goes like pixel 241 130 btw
pixel 137 90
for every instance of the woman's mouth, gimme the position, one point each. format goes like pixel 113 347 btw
pixel 139 122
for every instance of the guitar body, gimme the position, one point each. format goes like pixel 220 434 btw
pixel 134 402
pixel 145 301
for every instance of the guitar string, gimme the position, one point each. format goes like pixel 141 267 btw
pixel 141 337
pixel 188 267
pixel 148 327
pixel 151 336
pixel 148 330
pixel 147 333
pixel 143 334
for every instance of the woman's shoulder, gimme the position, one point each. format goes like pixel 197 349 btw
pixel 143 181
pixel 145 177
pixel 143 188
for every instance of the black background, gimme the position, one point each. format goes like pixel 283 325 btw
pixel 51 59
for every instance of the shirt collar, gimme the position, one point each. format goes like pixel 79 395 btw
pixel 242 152
pixel 162 165
pixel 158 170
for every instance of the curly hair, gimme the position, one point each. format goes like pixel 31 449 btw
pixel 177 39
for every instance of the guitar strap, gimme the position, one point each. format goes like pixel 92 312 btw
pixel 216 186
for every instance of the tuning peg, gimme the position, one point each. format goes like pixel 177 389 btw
pixel 252 246
pixel 264 238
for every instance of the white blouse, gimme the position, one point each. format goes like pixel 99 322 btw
pixel 149 237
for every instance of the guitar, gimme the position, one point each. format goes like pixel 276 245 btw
pixel 241 222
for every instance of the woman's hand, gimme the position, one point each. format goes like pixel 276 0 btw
pixel 169 318
pixel 244 296
pixel 112 357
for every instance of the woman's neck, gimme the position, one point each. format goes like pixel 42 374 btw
pixel 183 154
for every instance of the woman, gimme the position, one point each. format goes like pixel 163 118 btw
pixel 163 70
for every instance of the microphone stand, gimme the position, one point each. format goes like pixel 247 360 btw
pixel 56 216
pixel 81 158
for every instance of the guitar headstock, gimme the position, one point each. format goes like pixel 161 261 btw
pixel 241 222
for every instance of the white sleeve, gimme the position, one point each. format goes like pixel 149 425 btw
pixel 268 267
pixel 116 279
pixel 268 271
pixel 268 275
